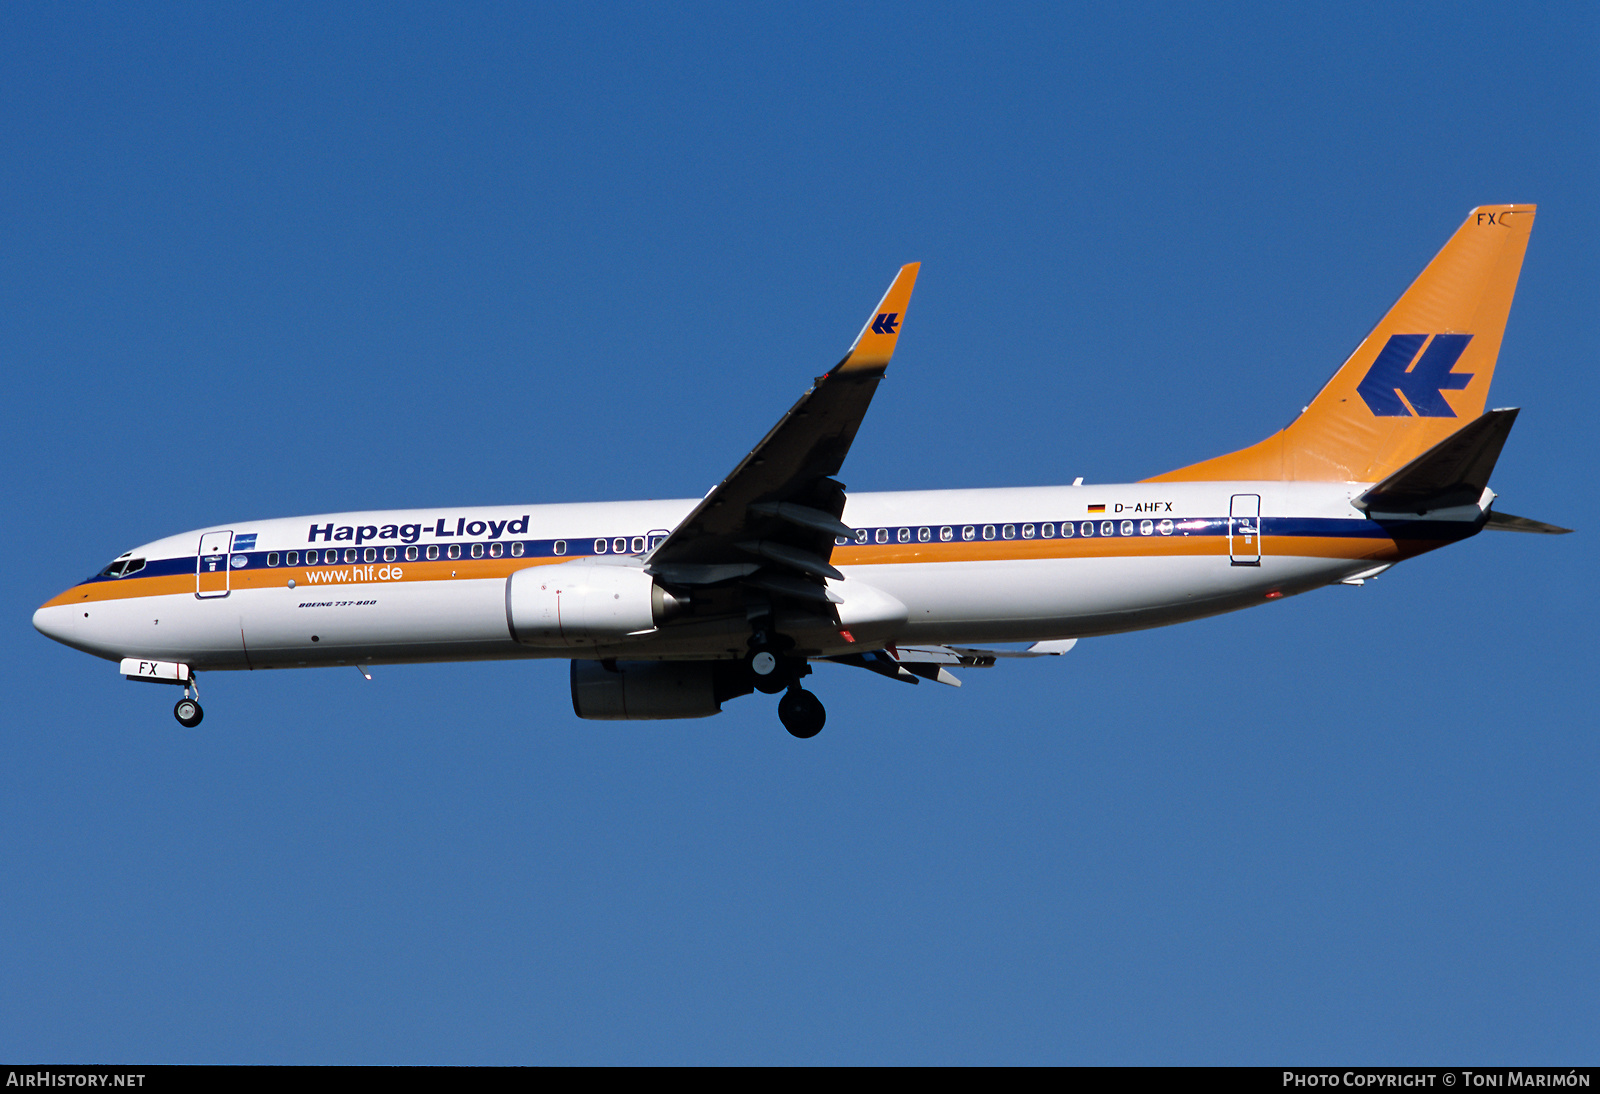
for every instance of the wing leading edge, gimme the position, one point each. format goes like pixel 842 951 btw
pixel 772 522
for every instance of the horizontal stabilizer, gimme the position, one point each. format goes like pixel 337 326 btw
pixel 1453 472
pixel 1505 522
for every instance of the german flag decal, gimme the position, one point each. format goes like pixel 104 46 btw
pixel 1097 508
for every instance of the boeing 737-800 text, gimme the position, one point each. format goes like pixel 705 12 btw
pixel 667 609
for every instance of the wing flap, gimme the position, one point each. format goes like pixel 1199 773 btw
pixel 907 663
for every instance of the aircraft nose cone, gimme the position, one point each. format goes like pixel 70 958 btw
pixel 69 625
pixel 52 622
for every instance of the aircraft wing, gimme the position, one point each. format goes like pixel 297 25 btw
pixel 912 664
pixel 773 520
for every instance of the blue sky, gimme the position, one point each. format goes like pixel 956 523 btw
pixel 281 259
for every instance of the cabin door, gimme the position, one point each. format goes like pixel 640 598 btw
pixel 1244 529
pixel 211 568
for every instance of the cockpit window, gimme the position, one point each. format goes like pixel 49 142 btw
pixel 123 567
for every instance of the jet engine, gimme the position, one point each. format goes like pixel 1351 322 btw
pixel 585 602
pixel 616 690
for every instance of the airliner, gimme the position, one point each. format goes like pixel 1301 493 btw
pixel 669 609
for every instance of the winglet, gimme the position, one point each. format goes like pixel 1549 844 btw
pixel 875 344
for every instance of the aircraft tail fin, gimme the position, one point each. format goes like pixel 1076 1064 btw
pixel 1424 369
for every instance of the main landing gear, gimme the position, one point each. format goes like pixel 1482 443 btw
pixel 801 712
pixel 773 669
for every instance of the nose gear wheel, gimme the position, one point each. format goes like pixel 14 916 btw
pixel 188 713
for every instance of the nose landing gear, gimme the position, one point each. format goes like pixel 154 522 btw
pixel 188 711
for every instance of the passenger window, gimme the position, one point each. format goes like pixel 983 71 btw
pixel 1047 531
pixel 968 532
pixel 1165 527
pixel 840 541
pixel 559 547
pixel 477 550
pixel 636 545
pixel 883 535
pixel 1009 532
pixel 292 558
pixel 517 549
pixel 1108 528
pixel 411 554
pixel 599 546
pixel 924 535
pixel 496 550
pixel 905 535
pixel 988 531
pixel 370 555
pixel 1066 529
pixel 1087 528
pixel 620 545
pixel 454 550
pixel 655 541
pixel 1127 527
pixel 272 558
pixel 863 535
pixel 1146 527
pixel 389 554
pixel 1027 531
pixel 311 558
pixel 433 552
pixel 946 534
pixel 350 554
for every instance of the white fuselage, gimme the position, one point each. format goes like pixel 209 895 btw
pixel 967 566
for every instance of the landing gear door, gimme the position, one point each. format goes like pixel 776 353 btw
pixel 1244 529
pixel 211 568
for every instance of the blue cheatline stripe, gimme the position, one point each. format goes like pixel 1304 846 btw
pixel 1020 531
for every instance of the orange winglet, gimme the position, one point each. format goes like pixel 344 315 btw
pixel 1422 373
pixel 875 344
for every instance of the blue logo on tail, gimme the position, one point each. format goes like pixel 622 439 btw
pixel 1423 385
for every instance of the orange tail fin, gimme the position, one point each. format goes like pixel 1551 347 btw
pixel 1422 373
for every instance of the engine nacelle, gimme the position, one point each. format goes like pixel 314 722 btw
pixel 585 602
pixel 614 690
